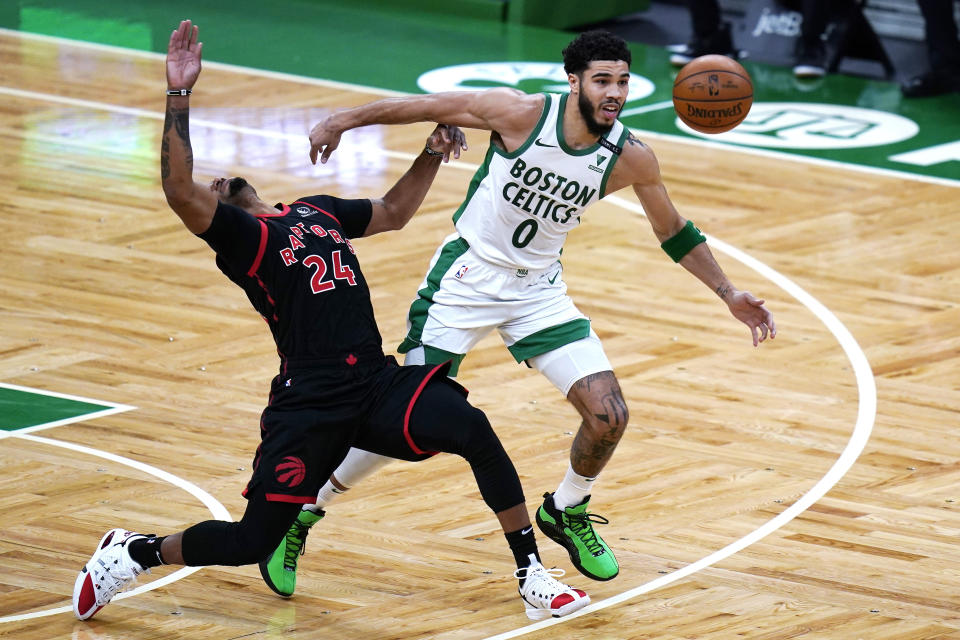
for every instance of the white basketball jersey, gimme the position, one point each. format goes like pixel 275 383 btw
pixel 521 205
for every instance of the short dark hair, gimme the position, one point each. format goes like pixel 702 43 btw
pixel 594 45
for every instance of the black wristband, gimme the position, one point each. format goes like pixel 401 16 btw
pixel 431 152
pixel 179 92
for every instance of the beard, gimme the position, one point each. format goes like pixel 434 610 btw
pixel 235 186
pixel 587 110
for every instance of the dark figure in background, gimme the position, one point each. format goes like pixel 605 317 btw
pixel 710 34
pixel 811 55
pixel 943 50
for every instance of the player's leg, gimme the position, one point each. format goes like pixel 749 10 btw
pixel 582 371
pixel 442 293
pixel 441 419
pixel 552 336
pixel 360 464
pixel 300 447
pixel 279 570
pixel 123 555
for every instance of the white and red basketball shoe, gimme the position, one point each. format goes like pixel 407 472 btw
pixel 110 571
pixel 545 596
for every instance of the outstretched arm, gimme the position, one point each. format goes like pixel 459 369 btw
pixel 395 209
pixel 509 112
pixel 684 244
pixel 196 204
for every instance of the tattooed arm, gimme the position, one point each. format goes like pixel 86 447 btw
pixel 639 167
pixel 193 202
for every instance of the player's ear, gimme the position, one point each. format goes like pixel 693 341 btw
pixel 574 81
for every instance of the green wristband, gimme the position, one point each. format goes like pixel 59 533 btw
pixel 681 243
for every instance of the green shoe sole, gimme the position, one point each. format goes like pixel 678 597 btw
pixel 265 574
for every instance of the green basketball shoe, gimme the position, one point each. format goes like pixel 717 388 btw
pixel 572 529
pixel 279 569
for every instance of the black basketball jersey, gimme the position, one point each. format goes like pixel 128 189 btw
pixel 301 274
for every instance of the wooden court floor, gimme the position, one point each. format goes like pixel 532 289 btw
pixel 103 294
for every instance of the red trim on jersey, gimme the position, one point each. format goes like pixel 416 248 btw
pixel 313 206
pixel 260 250
pixel 279 497
pixel 413 400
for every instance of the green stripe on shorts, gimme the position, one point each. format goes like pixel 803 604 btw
pixel 549 339
pixel 418 310
pixel 432 355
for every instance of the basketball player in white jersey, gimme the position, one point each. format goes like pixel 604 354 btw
pixel 550 157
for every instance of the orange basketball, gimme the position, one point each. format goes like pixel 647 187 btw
pixel 712 94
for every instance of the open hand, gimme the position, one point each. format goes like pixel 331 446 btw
pixel 751 312
pixel 183 57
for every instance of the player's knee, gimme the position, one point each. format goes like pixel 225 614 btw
pixel 603 432
pixel 466 432
pixel 478 433
pixel 604 412
pixel 254 544
pixel 599 400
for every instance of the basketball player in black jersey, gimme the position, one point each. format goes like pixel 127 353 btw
pixel 335 388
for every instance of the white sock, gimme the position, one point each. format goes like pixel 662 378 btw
pixel 356 465
pixel 327 493
pixel 572 490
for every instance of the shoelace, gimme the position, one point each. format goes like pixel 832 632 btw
pixel 121 578
pixel 292 551
pixel 528 572
pixel 579 523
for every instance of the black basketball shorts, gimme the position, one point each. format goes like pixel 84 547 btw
pixel 310 424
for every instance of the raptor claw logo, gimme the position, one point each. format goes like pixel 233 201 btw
pixel 291 471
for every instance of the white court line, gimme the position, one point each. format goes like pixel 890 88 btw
pixel 866 415
pixel 209 64
pixel 766 153
pixel 866 386
pixel 200 122
pixel 656 106
pixel 780 155
pixel 218 510
pixel 113 408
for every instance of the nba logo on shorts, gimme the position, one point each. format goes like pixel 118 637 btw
pixel 462 271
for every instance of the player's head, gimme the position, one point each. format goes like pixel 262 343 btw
pixel 594 45
pixel 598 69
pixel 235 191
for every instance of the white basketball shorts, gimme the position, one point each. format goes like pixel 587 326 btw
pixel 463 298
